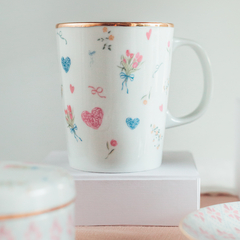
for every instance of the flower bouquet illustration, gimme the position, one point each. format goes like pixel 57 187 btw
pixel 166 85
pixel 70 121
pixel 129 64
pixel 113 143
pixel 157 136
pixel 106 39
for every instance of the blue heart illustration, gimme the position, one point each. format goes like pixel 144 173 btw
pixel 132 123
pixel 66 63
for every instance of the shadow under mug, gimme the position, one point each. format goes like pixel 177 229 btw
pixel 115 84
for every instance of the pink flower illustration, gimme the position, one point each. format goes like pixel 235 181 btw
pixel 207 235
pixel 69 108
pixel 56 231
pixel 135 64
pixel 5 234
pixel 129 54
pixel 199 215
pixel 231 212
pixel 225 234
pixel 214 214
pixel 33 233
pixel 124 60
pixel 113 143
pixel 168 43
pixel 69 116
pixel 139 57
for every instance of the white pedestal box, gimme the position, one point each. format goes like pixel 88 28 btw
pixel 162 196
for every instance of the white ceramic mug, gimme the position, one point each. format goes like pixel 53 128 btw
pixel 115 84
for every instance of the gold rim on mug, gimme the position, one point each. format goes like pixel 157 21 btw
pixel 114 24
pixel 24 215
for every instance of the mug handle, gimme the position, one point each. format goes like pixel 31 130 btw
pixel 172 121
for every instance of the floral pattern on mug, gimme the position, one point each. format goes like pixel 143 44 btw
pixel 106 40
pixel 91 53
pixel 157 136
pixel 166 85
pixel 113 143
pixel 129 64
pixel 146 97
pixel 70 121
pixel 156 69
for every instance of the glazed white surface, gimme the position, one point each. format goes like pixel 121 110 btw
pixel 134 146
pixel 217 222
pixel 27 188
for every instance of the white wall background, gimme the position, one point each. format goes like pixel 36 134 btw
pixel 31 122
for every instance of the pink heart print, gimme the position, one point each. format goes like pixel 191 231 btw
pixel 149 34
pixel 93 119
pixel 161 108
pixel 71 88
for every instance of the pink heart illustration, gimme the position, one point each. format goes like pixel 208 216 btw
pixel 149 34
pixel 71 88
pixel 93 119
pixel 161 108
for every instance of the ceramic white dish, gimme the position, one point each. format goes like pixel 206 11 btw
pixel 217 222
pixel 36 202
